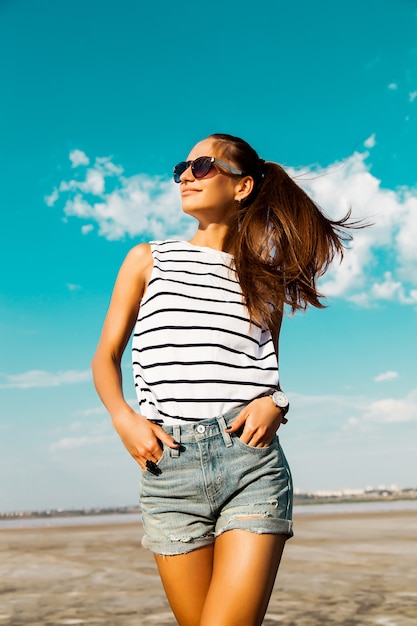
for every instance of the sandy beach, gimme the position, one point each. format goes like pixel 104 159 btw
pixel 349 569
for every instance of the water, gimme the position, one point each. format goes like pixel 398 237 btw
pixel 76 520
pixel 379 506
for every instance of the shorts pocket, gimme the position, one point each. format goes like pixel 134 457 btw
pixel 253 449
pixel 161 462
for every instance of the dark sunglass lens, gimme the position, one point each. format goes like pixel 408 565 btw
pixel 201 167
pixel 179 170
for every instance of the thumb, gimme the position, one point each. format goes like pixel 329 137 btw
pixel 164 437
pixel 237 423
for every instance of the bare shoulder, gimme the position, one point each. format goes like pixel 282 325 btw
pixel 140 256
pixel 135 271
pixel 139 260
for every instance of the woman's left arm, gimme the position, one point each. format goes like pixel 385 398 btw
pixel 260 419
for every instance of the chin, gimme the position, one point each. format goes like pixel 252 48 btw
pixel 189 209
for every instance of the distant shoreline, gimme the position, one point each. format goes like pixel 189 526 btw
pixel 299 500
pixel 131 515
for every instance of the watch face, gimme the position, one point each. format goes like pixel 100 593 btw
pixel 280 399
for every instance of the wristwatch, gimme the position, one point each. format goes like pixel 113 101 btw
pixel 280 400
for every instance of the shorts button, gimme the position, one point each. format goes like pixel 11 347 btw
pixel 201 429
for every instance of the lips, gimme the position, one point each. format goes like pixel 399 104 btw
pixel 188 190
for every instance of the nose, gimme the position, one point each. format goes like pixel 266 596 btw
pixel 187 175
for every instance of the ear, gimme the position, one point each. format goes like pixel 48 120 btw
pixel 244 188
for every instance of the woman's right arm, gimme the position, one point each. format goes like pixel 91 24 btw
pixel 140 437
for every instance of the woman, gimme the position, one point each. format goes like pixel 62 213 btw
pixel 216 491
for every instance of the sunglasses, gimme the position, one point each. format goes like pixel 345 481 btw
pixel 200 167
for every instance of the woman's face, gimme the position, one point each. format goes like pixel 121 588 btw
pixel 213 197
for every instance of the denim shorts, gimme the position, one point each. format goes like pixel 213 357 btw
pixel 212 484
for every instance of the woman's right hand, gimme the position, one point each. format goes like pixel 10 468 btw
pixel 142 439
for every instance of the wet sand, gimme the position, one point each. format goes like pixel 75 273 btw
pixel 350 569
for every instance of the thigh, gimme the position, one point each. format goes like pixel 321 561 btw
pixel 260 490
pixel 175 512
pixel 186 580
pixel 245 565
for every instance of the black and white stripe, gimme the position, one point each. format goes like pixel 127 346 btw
pixel 195 354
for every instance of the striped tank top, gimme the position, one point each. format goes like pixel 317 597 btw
pixel 194 353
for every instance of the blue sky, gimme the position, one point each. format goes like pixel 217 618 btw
pixel 99 101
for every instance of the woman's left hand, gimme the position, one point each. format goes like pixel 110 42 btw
pixel 260 420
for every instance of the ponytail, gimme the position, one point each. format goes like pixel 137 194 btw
pixel 280 239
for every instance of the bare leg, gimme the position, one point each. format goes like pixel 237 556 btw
pixel 228 586
pixel 244 570
pixel 186 580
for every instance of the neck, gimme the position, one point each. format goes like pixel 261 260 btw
pixel 212 236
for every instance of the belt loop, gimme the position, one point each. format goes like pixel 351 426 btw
pixel 176 433
pixel 226 437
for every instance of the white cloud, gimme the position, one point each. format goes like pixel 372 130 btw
pixel 78 157
pixel 381 263
pixel 69 443
pixel 52 198
pixel 73 287
pixel 93 184
pixel 42 378
pixel 93 433
pixel 353 421
pixel 316 408
pixel 350 412
pixel 379 266
pixel 135 206
pixel 370 142
pixel 390 375
pixel 412 96
pixel 391 410
pixel 105 164
pixel 388 289
pixel 393 86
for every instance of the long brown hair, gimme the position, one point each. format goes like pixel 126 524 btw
pixel 280 239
